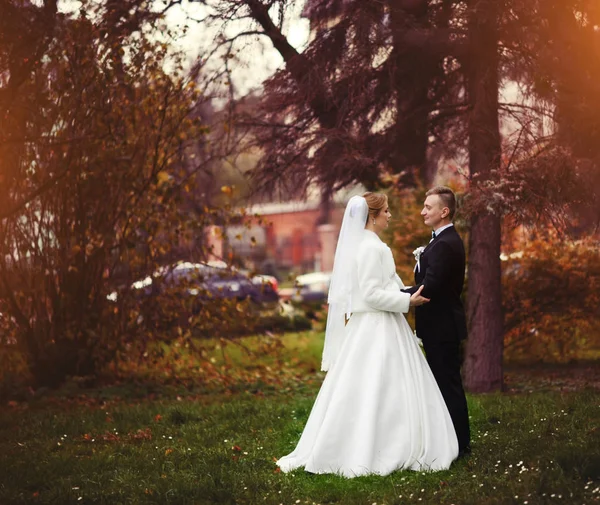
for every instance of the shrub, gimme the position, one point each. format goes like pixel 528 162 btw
pixel 96 196
pixel 551 296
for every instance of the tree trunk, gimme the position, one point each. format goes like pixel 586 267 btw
pixel 483 365
pixel 412 135
pixel 409 151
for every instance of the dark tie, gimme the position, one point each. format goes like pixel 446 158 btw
pixel 432 235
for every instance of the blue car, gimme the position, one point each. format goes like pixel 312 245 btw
pixel 204 282
pixel 174 293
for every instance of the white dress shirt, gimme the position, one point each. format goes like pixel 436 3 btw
pixel 442 228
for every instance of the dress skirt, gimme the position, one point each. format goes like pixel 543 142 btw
pixel 379 408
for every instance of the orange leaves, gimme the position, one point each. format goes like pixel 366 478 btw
pixel 145 434
pixel 105 139
pixel 157 418
pixel 108 436
pixel 162 177
pixel 238 450
pixel 550 293
pixel 113 436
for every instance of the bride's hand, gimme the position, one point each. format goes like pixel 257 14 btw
pixel 416 299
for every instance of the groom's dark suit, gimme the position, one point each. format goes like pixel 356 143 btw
pixel 441 323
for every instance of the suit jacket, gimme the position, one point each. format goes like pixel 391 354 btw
pixel 376 286
pixel 442 272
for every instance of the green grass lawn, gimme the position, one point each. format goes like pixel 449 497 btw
pixel 140 443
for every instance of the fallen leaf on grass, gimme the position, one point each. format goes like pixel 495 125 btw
pixel 107 436
pixel 141 434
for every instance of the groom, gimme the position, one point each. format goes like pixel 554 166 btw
pixel 441 323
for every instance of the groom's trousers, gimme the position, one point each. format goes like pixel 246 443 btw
pixel 444 359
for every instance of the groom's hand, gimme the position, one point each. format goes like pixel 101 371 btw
pixel 416 299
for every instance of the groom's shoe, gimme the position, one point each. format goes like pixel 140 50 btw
pixel 465 451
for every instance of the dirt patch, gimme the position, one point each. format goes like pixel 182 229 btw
pixel 543 377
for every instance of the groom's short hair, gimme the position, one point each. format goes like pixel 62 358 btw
pixel 447 197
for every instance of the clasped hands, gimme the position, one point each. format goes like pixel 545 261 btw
pixel 416 299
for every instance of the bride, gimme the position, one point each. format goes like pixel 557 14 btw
pixel 379 408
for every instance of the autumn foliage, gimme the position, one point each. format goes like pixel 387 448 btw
pixel 551 290
pixel 96 194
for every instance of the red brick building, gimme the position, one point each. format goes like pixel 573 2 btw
pixel 294 240
pixel 285 236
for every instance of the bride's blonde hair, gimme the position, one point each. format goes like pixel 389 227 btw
pixel 376 202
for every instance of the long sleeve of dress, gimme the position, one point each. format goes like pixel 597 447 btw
pixel 399 282
pixel 373 283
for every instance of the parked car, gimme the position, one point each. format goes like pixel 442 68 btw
pixel 205 281
pixel 267 281
pixel 312 287
pixel 174 293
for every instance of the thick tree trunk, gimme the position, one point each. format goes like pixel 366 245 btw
pixel 483 365
pixel 409 154
pixel 412 135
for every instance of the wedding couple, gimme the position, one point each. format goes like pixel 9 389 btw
pixel 382 406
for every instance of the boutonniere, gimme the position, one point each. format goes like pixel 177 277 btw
pixel 417 254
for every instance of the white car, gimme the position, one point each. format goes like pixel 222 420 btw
pixel 312 287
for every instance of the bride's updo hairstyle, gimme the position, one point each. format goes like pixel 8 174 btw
pixel 376 202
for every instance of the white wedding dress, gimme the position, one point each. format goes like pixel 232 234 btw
pixel 379 408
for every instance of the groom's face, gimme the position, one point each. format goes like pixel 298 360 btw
pixel 433 211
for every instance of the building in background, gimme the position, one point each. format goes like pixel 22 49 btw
pixel 278 238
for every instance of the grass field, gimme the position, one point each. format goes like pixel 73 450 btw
pixel 143 442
